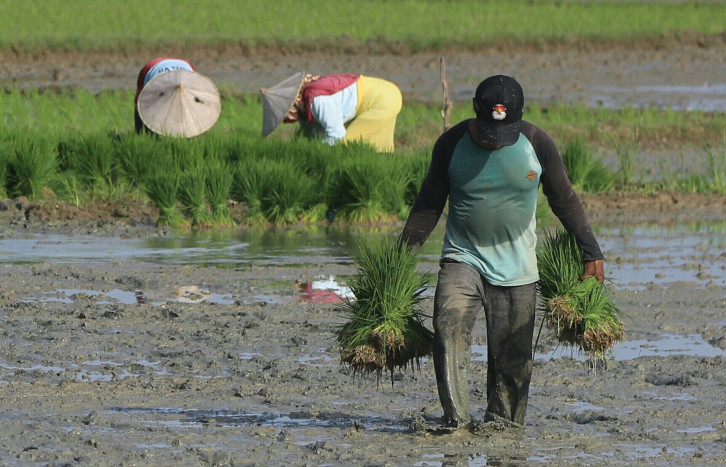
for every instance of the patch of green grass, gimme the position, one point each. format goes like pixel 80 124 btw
pixel 585 172
pixel 350 183
pixel 413 24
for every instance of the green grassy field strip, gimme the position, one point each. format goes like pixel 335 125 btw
pixel 101 25
pixel 77 110
pixel 80 147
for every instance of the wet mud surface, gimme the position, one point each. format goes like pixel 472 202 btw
pixel 228 363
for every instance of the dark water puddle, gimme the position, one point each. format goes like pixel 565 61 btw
pixel 92 370
pixel 197 418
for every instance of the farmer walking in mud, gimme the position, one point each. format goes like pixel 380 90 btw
pixel 338 107
pixel 490 168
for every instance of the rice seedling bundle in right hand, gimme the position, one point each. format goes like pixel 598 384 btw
pixel 582 313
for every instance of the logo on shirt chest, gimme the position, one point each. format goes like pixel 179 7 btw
pixel 531 175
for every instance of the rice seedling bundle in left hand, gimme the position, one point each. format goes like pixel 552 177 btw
pixel 582 313
pixel 385 328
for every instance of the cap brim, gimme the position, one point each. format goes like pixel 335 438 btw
pixel 498 134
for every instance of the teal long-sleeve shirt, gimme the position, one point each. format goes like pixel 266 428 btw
pixel 492 197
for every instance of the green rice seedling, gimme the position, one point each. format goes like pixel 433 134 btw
pixel 251 179
pixel 219 179
pixel 577 160
pixel 542 211
pixel 385 327
pixel 559 261
pixel 359 190
pixel 395 190
pixel 137 155
pixel 626 156
pixel 599 178
pixel 716 158
pixel 289 195
pixel 581 313
pixel 583 171
pixel 162 185
pixel 417 165
pixel 32 163
pixel 93 159
pixel 4 156
pixel 316 213
pixel 66 186
pixel 192 196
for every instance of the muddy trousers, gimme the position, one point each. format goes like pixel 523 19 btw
pixel 460 293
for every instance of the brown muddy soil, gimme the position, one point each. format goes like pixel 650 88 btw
pixel 87 378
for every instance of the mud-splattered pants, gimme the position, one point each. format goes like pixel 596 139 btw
pixel 460 293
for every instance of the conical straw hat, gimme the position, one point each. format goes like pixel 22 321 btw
pixel 276 101
pixel 179 103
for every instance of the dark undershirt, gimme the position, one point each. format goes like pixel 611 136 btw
pixel 556 186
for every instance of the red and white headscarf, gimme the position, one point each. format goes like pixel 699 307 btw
pixel 293 114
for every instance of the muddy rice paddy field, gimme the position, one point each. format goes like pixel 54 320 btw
pixel 125 344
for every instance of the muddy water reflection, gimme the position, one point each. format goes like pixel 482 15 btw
pixel 637 258
pixel 635 255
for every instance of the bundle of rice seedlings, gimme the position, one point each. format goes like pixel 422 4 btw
pixel 359 190
pixel 582 313
pixel 161 186
pixel 192 195
pixel 31 165
pixel 385 329
pixel 289 194
pixel 251 179
pixel 219 179
pixel 93 159
pixel 137 156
